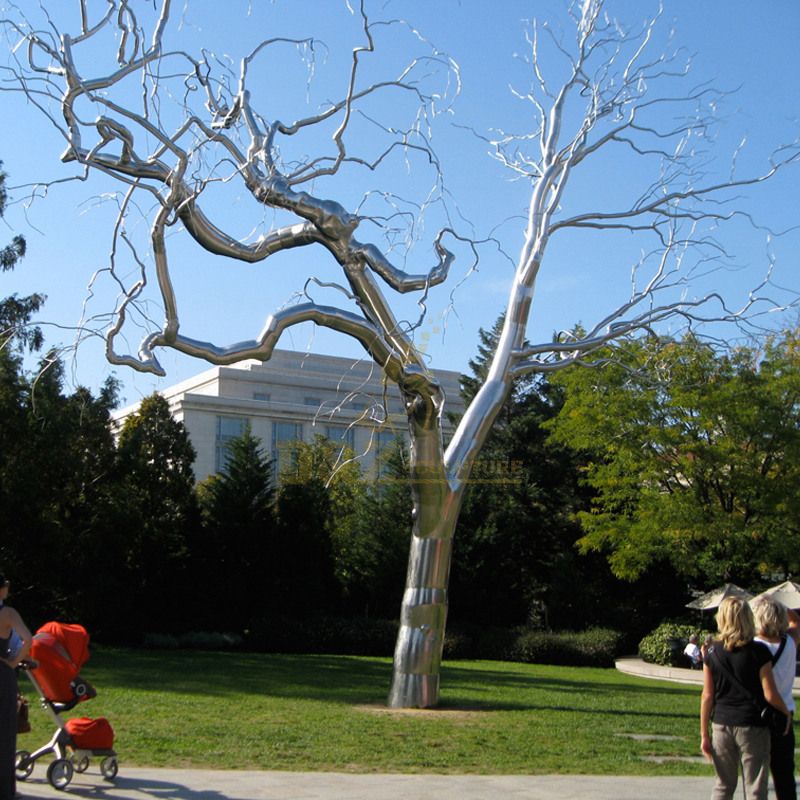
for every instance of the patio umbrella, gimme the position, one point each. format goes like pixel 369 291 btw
pixel 787 593
pixel 711 600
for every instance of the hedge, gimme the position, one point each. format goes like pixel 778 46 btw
pixel 658 647
pixel 596 647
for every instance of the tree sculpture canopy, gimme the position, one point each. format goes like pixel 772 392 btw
pixel 173 124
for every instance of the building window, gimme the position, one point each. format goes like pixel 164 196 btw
pixel 228 428
pixel 384 443
pixel 341 435
pixel 312 401
pixel 285 436
pixel 261 396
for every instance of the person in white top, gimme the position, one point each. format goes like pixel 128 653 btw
pixel 779 629
pixel 692 651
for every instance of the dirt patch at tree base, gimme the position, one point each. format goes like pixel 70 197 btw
pixel 431 713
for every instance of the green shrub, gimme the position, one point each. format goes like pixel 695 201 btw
pixel 661 645
pixel 595 647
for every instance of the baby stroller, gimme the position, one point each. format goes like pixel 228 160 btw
pixel 57 654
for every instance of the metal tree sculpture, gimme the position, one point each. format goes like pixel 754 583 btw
pixel 118 124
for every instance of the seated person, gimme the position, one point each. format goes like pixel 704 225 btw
pixel 692 652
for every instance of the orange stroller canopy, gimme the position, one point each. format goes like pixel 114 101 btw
pixel 61 649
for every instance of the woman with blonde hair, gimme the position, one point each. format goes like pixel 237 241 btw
pixel 776 629
pixel 737 681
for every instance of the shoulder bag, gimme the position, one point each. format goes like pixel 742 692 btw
pixel 23 724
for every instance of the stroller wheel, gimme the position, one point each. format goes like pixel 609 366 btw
pixel 22 766
pixel 82 764
pixel 109 768
pixel 59 773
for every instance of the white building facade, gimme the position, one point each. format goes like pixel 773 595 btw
pixel 293 397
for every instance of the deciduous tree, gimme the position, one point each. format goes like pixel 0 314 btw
pixel 696 457
pixel 377 551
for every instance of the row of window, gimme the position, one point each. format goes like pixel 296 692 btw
pixel 265 397
pixel 285 434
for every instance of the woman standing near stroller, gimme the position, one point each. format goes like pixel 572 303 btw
pixel 10 622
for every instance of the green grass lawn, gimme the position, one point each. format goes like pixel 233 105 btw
pixel 251 711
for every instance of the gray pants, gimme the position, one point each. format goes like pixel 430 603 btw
pixel 733 745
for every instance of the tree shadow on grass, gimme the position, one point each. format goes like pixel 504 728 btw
pixel 354 680
pixel 454 674
pixel 334 678
pixel 531 693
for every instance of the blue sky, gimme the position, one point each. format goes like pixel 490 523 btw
pixel 736 45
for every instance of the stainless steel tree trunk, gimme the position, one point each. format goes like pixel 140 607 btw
pixel 418 652
pixel 423 614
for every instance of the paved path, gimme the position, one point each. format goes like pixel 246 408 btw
pixel 174 784
pixel 635 666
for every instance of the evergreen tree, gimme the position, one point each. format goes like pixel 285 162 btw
pixel 20 502
pixel 516 532
pixel 154 470
pixel 80 552
pixel 58 498
pixel 237 508
pixel 304 583
pixel 20 495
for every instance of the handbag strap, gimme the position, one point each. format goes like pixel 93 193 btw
pixel 779 650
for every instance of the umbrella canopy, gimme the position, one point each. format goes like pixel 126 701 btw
pixel 711 600
pixel 787 593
